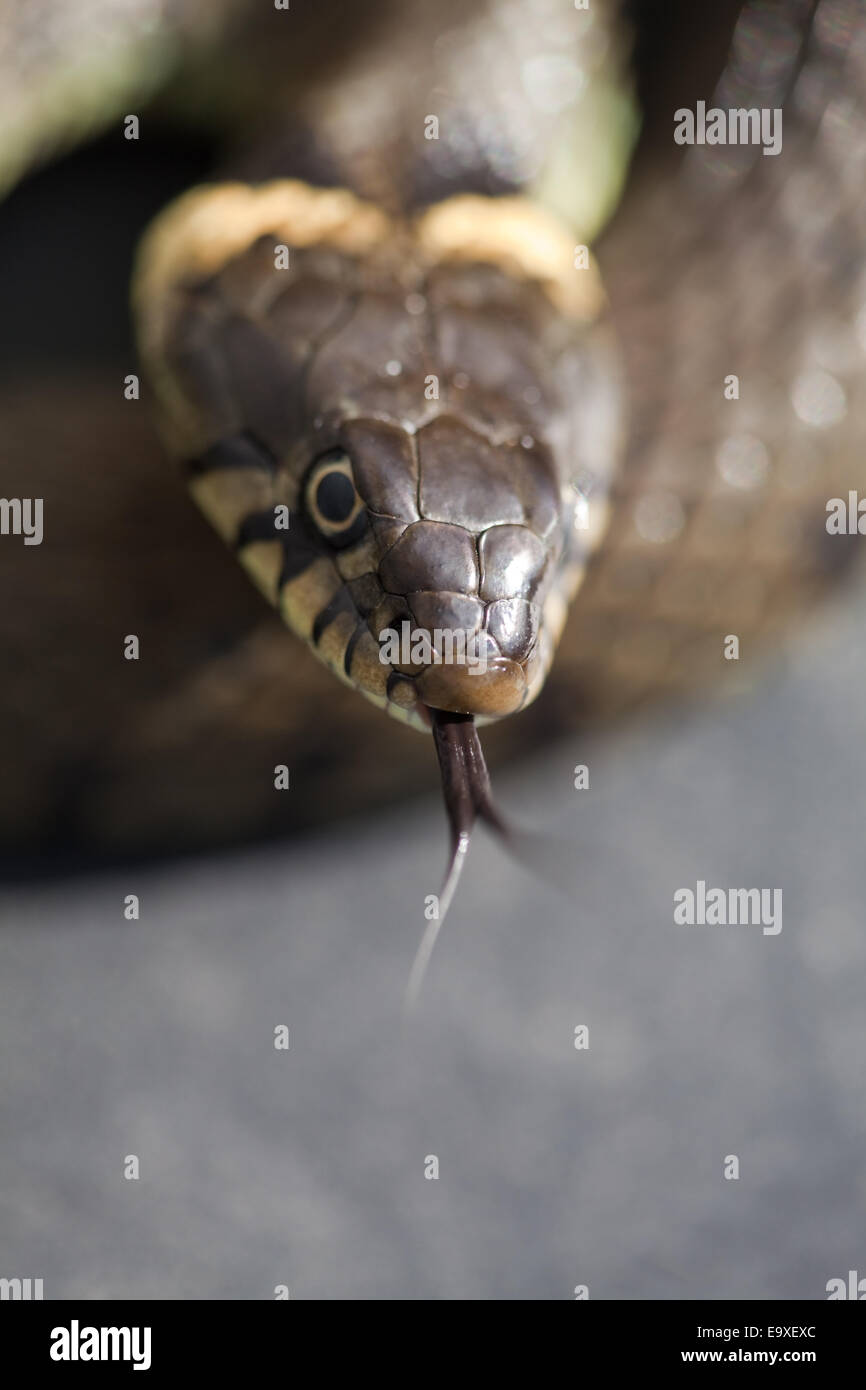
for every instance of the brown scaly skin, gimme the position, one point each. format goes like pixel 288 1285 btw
pixel 762 279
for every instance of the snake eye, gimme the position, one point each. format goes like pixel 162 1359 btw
pixel 332 498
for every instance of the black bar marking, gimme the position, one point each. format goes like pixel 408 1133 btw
pixel 396 678
pixel 298 554
pixel 259 526
pixel 299 551
pixel 235 451
pixel 350 648
pixel 340 603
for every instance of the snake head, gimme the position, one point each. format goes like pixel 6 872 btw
pixel 389 435
pixel 388 422
pixel 447 546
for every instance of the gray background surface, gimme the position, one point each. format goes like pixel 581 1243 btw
pixel 557 1167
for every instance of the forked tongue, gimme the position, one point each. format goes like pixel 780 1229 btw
pixel 466 785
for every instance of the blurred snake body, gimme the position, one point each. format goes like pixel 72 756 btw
pixel 403 392
pixel 402 414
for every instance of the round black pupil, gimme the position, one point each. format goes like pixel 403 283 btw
pixel 335 497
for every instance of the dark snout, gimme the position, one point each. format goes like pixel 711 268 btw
pixel 474 599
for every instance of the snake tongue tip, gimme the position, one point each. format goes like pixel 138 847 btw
pixel 459 850
pixel 466 787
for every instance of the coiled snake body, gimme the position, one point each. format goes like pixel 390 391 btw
pixel 403 393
